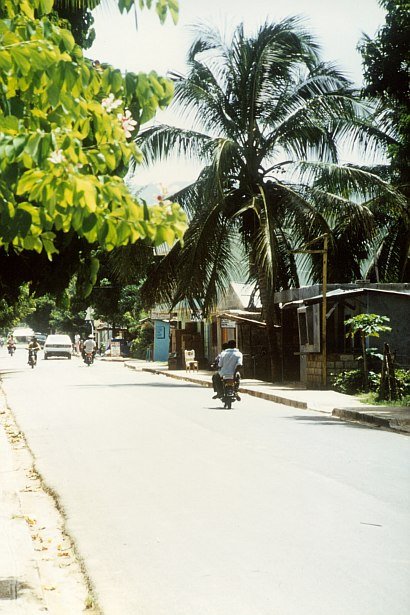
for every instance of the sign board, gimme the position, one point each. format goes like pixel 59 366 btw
pixel 115 349
pixel 228 324
pixel 160 315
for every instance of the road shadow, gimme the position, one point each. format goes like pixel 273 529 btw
pixel 5 372
pixel 328 420
pixel 161 385
pixel 218 408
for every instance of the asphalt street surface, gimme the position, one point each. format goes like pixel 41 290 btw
pixel 180 507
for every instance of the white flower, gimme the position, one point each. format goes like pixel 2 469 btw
pixel 127 122
pixel 57 156
pixel 110 103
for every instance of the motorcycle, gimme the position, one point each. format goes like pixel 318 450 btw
pixel 11 350
pixel 88 358
pixel 32 358
pixel 230 390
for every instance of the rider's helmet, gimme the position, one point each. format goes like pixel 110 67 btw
pixel 91 336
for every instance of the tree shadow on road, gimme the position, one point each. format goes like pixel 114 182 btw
pixel 328 420
pixel 125 386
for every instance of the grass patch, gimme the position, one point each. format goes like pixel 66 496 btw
pixel 371 398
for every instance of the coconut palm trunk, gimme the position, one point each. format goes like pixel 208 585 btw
pixel 269 315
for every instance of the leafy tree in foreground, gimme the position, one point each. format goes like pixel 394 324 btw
pixel 65 130
pixel 268 118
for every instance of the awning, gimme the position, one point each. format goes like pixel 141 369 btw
pixel 241 316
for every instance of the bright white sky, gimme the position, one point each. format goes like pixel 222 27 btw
pixel 337 24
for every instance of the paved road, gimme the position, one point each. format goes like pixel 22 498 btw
pixel 182 508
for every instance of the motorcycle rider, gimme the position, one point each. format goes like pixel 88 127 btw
pixel 33 346
pixel 216 379
pixel 90 346
pixel 11 344
pixel 230 360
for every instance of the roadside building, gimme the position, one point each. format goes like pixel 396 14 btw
pixel 302 328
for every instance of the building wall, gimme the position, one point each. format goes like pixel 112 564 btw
pixel 397 308
pixel 336 363
pixel 161 340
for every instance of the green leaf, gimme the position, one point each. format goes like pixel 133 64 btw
pixel 87 189
pixel 53 93
pixel 123 232
pixel 33 145
pixel 89 222
pixel 94 268
pixel 116 81
pixel 27 182
pixel 67 39
pixel 5 60
pixel 22 222
pixel 19 143
pixel 46 6
pixel 9 124
pixel 20 56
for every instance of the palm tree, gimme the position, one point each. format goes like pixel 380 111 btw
pixel 268 116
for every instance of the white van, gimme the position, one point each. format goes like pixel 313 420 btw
pixel 22 336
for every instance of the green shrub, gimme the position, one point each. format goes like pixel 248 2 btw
pixel 352 382
pixel 403 381
pixel 142 342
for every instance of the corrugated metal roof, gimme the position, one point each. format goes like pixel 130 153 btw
pixel 340 293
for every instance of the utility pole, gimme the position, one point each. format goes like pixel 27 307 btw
pixel 323 252
pixel 89 317
pixel 324 310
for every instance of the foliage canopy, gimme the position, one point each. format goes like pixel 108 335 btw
pixel 65 129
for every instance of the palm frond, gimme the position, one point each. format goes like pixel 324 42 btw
pixel 347 180
pixel 159 142
pixel 257 100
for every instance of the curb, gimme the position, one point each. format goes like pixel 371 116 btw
pixel 374 420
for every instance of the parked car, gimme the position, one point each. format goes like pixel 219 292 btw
pixel 58 345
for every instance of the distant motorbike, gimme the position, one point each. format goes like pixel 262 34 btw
pixel 11 350
pixel 230 390
pixel 88 358
pixel 32 358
